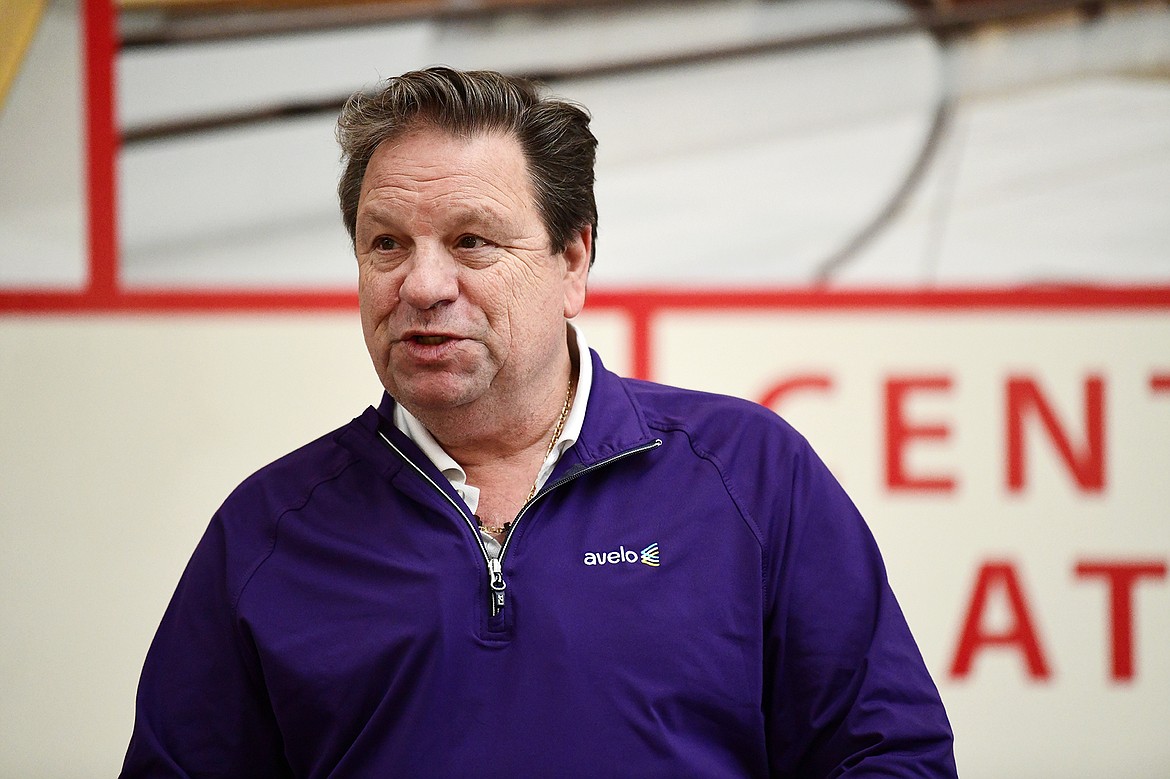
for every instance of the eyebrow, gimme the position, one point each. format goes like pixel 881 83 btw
pixel 473 216
pixel 485 217
pixel 374 212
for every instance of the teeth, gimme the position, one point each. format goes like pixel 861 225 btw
pixel 430 340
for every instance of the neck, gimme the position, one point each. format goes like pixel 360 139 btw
pixel 499 431
pixel 504 459
pixel 497 435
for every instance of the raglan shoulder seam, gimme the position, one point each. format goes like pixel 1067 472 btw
pixel 275 529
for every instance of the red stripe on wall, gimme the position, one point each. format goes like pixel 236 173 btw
pixel 641 305
pixel 1037 297
pixel 175 302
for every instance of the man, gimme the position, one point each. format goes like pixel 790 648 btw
pixel 520 564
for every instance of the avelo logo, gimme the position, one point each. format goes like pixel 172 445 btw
pixel 648 556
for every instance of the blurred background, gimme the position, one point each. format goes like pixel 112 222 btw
pixel 934 235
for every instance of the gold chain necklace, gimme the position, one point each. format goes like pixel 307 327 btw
pixel 559 428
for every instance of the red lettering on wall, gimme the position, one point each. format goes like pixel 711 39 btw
pixel 900 432
pixel 1121 578
pixel 777 392
pixel 999 579
pixel 1086 463
pixel 1160 382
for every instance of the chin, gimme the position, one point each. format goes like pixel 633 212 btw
pixel 421 397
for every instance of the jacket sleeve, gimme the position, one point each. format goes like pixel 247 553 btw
pixel 847 692
pixel 201 709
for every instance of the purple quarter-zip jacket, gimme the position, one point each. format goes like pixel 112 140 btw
pixel 690 595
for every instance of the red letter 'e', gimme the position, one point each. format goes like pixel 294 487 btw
pixel 899 433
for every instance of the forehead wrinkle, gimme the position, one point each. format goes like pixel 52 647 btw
pixel 461 209
pixel 462 188
pixel 489 205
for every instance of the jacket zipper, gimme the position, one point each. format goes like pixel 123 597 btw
pixel 467 519
pixel 495 565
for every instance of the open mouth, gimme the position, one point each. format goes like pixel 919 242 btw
pixel 430 340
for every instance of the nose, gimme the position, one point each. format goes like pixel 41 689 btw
pixel 431 278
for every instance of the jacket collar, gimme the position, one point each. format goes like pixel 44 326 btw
pixel 614 422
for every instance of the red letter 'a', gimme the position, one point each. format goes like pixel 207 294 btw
pixel 1020 634
pixel 1087 466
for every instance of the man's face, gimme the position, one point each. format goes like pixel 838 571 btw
pixel 462 299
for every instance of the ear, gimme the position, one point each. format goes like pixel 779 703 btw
pixel 578 252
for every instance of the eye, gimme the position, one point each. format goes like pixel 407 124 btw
pixel 385 243
pixel 471 242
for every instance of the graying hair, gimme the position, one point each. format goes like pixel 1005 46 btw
pixel 554 135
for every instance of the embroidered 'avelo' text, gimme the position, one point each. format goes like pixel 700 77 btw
pixel 648 556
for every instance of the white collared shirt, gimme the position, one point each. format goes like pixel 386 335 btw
pixel 409 424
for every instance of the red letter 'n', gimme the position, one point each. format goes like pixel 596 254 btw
pixel 1087 465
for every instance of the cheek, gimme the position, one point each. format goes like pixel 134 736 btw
pixel 376 296
pixel 375 305
pixel 534 315
pixel 369 312
pixel 493 296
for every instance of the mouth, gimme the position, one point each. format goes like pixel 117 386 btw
pixel 423 350
pixel 428 339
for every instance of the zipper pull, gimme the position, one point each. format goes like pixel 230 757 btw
pixel 496 584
